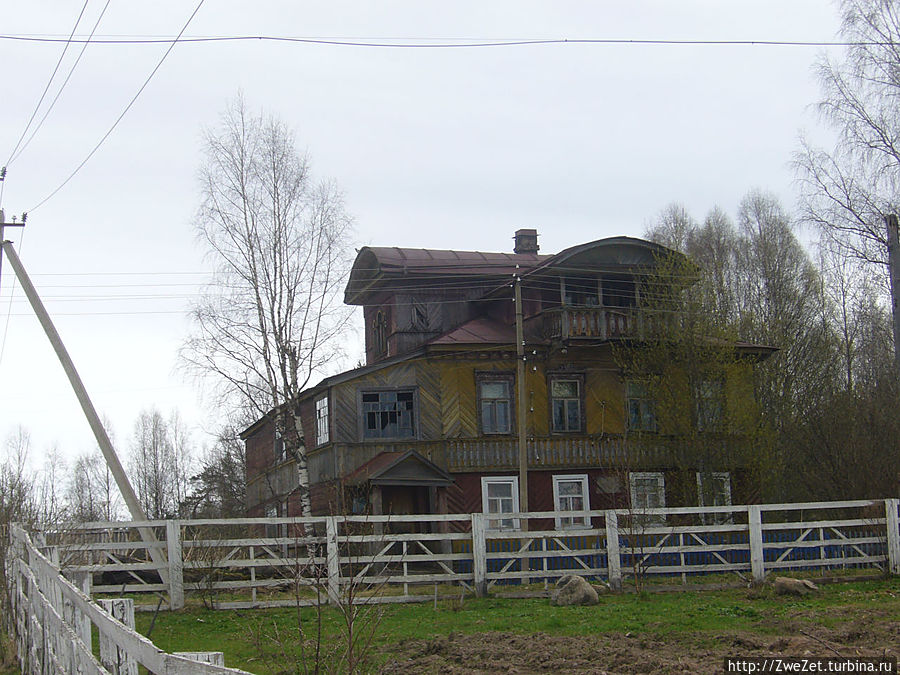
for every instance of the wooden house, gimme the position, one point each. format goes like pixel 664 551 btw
pixel 429 423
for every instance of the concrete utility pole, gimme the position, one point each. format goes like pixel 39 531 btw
pixel 520 382
pixel 894 268
pixel 106 447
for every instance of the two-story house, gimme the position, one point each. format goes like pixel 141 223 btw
pixel 429 424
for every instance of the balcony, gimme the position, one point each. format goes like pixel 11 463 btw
pixel 598 323
pixel 459 455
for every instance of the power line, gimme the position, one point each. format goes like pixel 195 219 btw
pixel 62 86
pixel 448 43
pixel 59 61
pixel 124 112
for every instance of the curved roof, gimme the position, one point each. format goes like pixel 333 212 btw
pixel 609 254
pixel 373 262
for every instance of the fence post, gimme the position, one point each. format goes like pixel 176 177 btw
pixel 79 621
pixel 613 557
pixel 892 523
pixel 757 561
pixel 333 560
pixel 176 564
pixel 114 658
pixel 479 555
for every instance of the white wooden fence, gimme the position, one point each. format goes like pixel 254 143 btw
pixel 249 562
pixel 54 622
pixel 282 561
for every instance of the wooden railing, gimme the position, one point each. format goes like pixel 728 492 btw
pixel 487 453
pixel 602 323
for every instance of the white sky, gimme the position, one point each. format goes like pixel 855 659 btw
pixel 434 148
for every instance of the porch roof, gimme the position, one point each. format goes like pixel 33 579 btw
pixel 399 468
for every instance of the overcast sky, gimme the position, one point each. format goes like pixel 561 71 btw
pixel 434 147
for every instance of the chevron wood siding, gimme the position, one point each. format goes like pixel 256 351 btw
pixel 423 376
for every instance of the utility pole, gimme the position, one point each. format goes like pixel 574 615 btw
pixel 106 447
pixel 894 268
pixel 520 382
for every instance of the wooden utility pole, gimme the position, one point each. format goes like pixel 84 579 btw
pixel 894 269
pixel 520 385
pixel 106 447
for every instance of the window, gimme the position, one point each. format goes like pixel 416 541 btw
pixel 388 414
pixel 640 407
pixel 565 404
pixel 500 495
pixel 322 420
pixel 710 404
pixel 619 291
pixel 495 403
pixel 714 489
pixel 420 315
pixel 648 491
pixel 580 292
pixel 570 493
pixel 379 334
pixel 280 451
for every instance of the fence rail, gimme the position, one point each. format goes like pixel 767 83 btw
pixel 255 562
pixel 247 562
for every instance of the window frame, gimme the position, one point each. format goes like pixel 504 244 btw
pixel 323 438
pixel 513 481
pixel 578 378
pixel 493 377
pixel 575 522
pixel 362 427
pixel 647 519
pixel 379 334
pixel 649 405
pixel 715 518
pixel 710 404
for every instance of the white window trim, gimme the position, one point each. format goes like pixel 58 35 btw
pixel 715 518
pixel 661 486
pixel 577 521
pixel 487 480
pixel 327 427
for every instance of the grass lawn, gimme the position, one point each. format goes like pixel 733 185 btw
pixel 254 639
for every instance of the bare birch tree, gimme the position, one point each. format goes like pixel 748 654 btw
pixel 160 466
pixel 279 242
pixel 847 191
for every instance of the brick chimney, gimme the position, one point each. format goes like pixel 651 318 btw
pixel 526 241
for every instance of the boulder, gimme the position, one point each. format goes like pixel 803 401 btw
pixel 573 590
pixel 788 586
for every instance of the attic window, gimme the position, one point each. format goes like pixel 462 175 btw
pixel 420 315
pixel 379 334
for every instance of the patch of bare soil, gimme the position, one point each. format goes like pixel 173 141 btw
pixel 616 654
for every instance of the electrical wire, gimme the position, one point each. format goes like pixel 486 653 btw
pixel 124 112
pixel 84 46
pixel 59 61
pixel 449 43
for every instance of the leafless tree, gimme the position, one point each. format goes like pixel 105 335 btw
pixel 160 465
pixel 279 242
pixel 92 493
pixel 219 488
pixel 847 191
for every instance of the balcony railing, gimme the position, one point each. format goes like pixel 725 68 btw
pixel 604 323
pixel 500 454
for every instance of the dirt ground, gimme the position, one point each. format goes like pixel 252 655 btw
pixel 872 635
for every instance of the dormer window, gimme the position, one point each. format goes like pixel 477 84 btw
pixel 379 334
